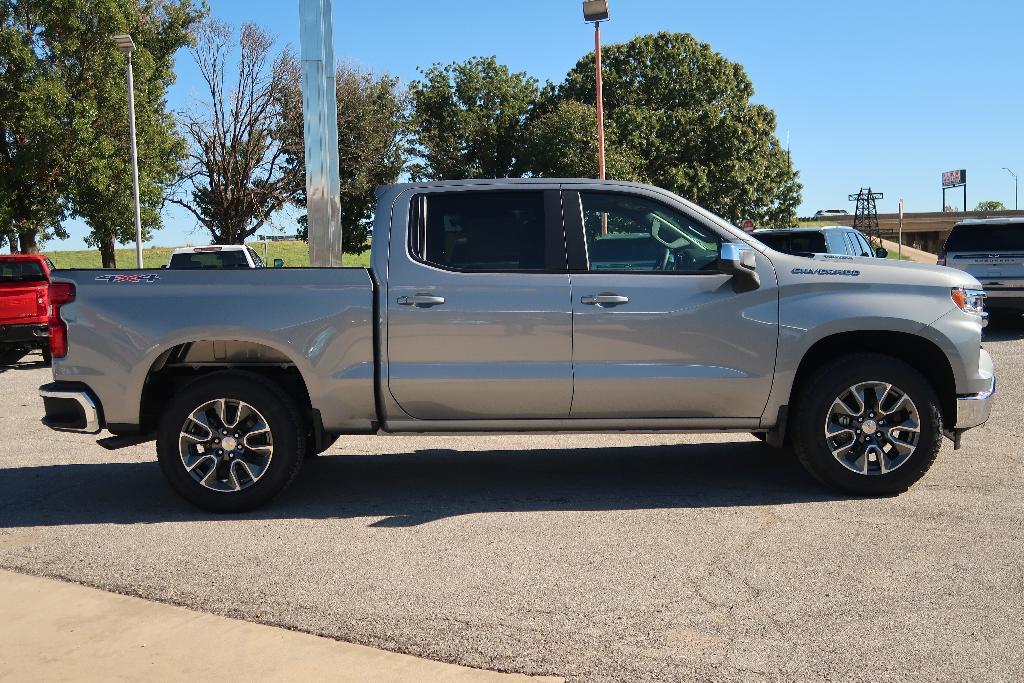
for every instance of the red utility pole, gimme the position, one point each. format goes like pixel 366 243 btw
pixel 600 101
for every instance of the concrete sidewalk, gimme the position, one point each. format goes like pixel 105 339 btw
pixel 51 630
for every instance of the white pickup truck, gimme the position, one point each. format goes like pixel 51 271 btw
pixel 526 306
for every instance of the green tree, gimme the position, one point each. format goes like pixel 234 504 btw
pixel 35 142
pixel 562 143
pixel 468 120
pixel 100 190
pixel 371 127
pixel 685 110
pixel 990 205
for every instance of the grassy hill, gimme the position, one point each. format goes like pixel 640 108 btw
pixel 295 255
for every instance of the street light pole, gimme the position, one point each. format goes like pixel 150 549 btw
pixel 601 169
pixel 126 45
pixel 1016 187
pixel 596 11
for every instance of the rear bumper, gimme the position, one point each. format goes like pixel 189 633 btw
pixel 71 409
pixel 32 333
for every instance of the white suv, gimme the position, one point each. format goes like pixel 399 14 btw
pixel 992 250
pixel 217 258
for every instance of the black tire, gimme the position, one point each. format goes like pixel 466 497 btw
pixel 281 416
pixel 47 357
pixel 826 385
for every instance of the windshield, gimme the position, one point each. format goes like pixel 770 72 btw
pixel 799 243
pixel 208 260
pixel 993 238
pixel 21 271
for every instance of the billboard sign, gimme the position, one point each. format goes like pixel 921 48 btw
pixel 954 178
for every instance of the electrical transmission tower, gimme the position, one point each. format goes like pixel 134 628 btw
pixel 866 218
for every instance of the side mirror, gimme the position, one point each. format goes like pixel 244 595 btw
pixel 740 261
pixel 882 252
pixel 279 263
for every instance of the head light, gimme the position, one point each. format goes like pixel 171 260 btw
pixel 969 300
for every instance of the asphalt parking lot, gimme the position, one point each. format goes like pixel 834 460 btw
pixel 598 558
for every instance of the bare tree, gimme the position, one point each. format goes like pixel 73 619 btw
pixel 236 176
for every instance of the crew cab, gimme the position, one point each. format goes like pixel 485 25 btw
pixel 24 305
pixel 529 306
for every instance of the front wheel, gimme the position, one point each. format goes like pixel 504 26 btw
pixel 867 424
pixel 230 442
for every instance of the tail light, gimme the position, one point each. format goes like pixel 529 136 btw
pixel 42 307
pixel 942 258
pixel 60 293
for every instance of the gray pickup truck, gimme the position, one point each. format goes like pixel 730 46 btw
pixel 525 306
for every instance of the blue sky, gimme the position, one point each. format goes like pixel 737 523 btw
pixel 887 94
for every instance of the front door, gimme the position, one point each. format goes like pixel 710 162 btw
pixel 658 331
pixel 479 321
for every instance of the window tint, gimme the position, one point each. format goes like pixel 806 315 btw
pixel 209 260
pixel 839 243
pixel 479 231
pixel 21 271
pixel 625 232
pixel 257 261
pixel 987 238
pixel 801 244
pixel 865 248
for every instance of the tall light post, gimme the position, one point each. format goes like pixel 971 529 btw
pixel 126 45
pixel 596 11
pixel 1016 186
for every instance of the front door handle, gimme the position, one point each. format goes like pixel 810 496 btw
pixel 421 300
pixel 604 300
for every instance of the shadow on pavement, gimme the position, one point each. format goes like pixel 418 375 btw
pixel 20 359
pixel 1004 328
pixel 424 486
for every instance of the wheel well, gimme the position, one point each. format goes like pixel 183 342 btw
pixel 184 363
pixel 917 352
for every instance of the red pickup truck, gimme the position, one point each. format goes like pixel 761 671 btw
pixel 24 304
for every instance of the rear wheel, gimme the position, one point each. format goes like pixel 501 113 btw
pixel 230 442
pixel 867 424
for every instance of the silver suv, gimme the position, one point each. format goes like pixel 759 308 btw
pixel 992 250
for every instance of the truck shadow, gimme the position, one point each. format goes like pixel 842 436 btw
pixel 20 359
pixel 420 487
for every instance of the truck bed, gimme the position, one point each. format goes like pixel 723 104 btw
pixel 122 324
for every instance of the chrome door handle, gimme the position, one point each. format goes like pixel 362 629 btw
pixel 421 300
pixel 604 300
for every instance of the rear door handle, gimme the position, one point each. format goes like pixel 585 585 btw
pixel 604 300
pixel 421 300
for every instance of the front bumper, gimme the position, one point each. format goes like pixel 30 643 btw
pixel 70 409
pixel 973 410
pixel 33 333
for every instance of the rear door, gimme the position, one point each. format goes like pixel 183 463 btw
pixel 991 252
pixel 478 308
pixel 22 292
pixel 658 331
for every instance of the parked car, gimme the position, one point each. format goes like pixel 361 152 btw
pixel 830 213
pixel 826 240
pixel 992 250
pixel 24 279
pixel 486 309
pixel 217 258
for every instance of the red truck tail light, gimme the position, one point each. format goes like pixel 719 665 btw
pixel 60 293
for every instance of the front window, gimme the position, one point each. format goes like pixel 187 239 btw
pixel 630 233
pixel 257 261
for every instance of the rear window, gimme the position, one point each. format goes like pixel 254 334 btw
pixel 796 243
pixel 987 238
pixel 479 231
pixel 209 260
pixel 21 271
